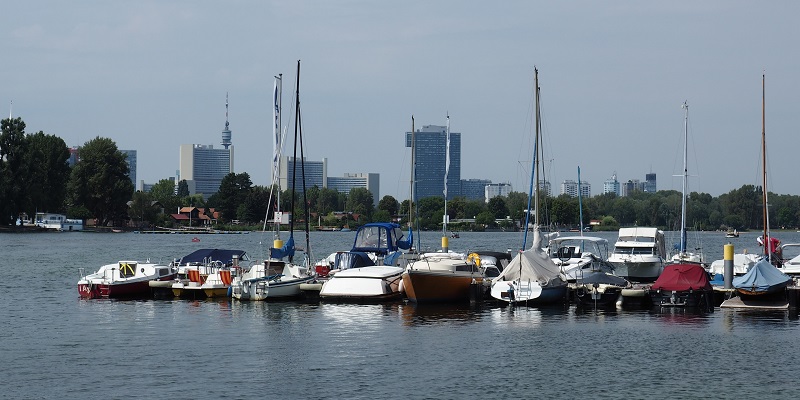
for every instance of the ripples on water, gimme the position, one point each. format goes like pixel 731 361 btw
pixel 57 346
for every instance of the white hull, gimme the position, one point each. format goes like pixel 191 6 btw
pixel 366 283
pixel 269 281
pixel 741 264
pixel 638 268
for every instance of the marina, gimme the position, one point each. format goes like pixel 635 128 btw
pixel 390 350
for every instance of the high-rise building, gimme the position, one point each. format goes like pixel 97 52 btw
pixel 430 151
pixel 544 188
pixel 632 185
pixel 612 185
pixel 570 188
pixel 131 158
pixel 493 190
pixel 474 189
pixel 650 183
pixel 369 181
pixel 203 167
pixel 316 174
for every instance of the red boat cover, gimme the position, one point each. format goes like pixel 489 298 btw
pixel 678 277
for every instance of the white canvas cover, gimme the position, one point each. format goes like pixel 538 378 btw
pixel 533 264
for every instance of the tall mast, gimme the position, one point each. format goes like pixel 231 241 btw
pixel 534 162
pixel 446 173
pixel 767 247
pixel 277 146
pixel 411 179
pixel 685 174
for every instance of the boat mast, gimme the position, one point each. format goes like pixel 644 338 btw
pixel 411 179
pixel 580 203
pixel 534 170
pixel 685 106
pixel 278 145
pixel 445 217
pixel 767 247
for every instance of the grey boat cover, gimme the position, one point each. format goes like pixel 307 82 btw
pixel 533 264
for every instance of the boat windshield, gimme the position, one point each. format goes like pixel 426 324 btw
pixel 372 237
pixel 633 250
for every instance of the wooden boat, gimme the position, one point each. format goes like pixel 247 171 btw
pixel 442 277
pixel 763 281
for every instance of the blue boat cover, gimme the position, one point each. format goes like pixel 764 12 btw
pixel 286 251
pixel 762 277
pixel 377 237
pixel 406 244
pixel 210 255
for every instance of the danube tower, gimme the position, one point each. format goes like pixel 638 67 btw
pixel 226 134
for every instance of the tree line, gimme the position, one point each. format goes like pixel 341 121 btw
pixel 35 176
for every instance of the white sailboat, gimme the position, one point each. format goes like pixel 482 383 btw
pixel 279 276
pixel 531 277
pixel 684 256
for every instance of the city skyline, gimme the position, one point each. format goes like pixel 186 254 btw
pixel 152 76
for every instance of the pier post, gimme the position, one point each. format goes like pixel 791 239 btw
pixel 728 265
pixel 445 243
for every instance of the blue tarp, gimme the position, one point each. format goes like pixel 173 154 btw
pixel 408 242
pixel 286 251
pixel 762 277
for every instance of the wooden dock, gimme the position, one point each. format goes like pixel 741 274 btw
pixel 737 302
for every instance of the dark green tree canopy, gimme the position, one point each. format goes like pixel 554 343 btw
pixel 100 181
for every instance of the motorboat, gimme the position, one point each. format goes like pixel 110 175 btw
pixel 371 270
pixel 206 273
pixel 742 262
pixel 682 285
pixel 639 254
pixel 732 233
pixel 443 277
pixel 577 255
pixel 123 279
pixel 598 288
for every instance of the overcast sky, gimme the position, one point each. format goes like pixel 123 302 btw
pixel 152 75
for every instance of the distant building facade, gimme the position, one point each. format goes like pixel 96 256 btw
pixel 430 147
pixel 493 190
pixel 571 188
pixel 316 173
pixel 612 185
pixel 344 184
pixel 474 189
pixel 650 183
pixel 131 159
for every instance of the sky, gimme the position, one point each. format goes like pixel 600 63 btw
pixel 152 75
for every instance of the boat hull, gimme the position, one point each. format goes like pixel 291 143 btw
pixel 427 286
pixel 638 271
pixel 530 294
pixel 701 299
pixel 602 296
pixel 367 284
pixel 263 289
pixel 137 289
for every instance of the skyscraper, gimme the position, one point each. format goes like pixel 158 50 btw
pixel 430 151
pixel 369 181
pixel 316 174
pixel 203 167
pixel 611 185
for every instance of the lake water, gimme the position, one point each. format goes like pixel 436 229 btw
pixel 55 345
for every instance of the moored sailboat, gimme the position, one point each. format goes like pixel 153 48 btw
pixel 531 278
pixel 279 276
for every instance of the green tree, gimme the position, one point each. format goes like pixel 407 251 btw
pixel 141 211
pixel 252 209
pixel 48 157
pixel 164 192
pixel 517 202
pixel 14 174
pixel 389 204
pixel 100 181
pixel 183 188
pixel 360 201
pixel 497 206
pixel 328 201
pixel 233 190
